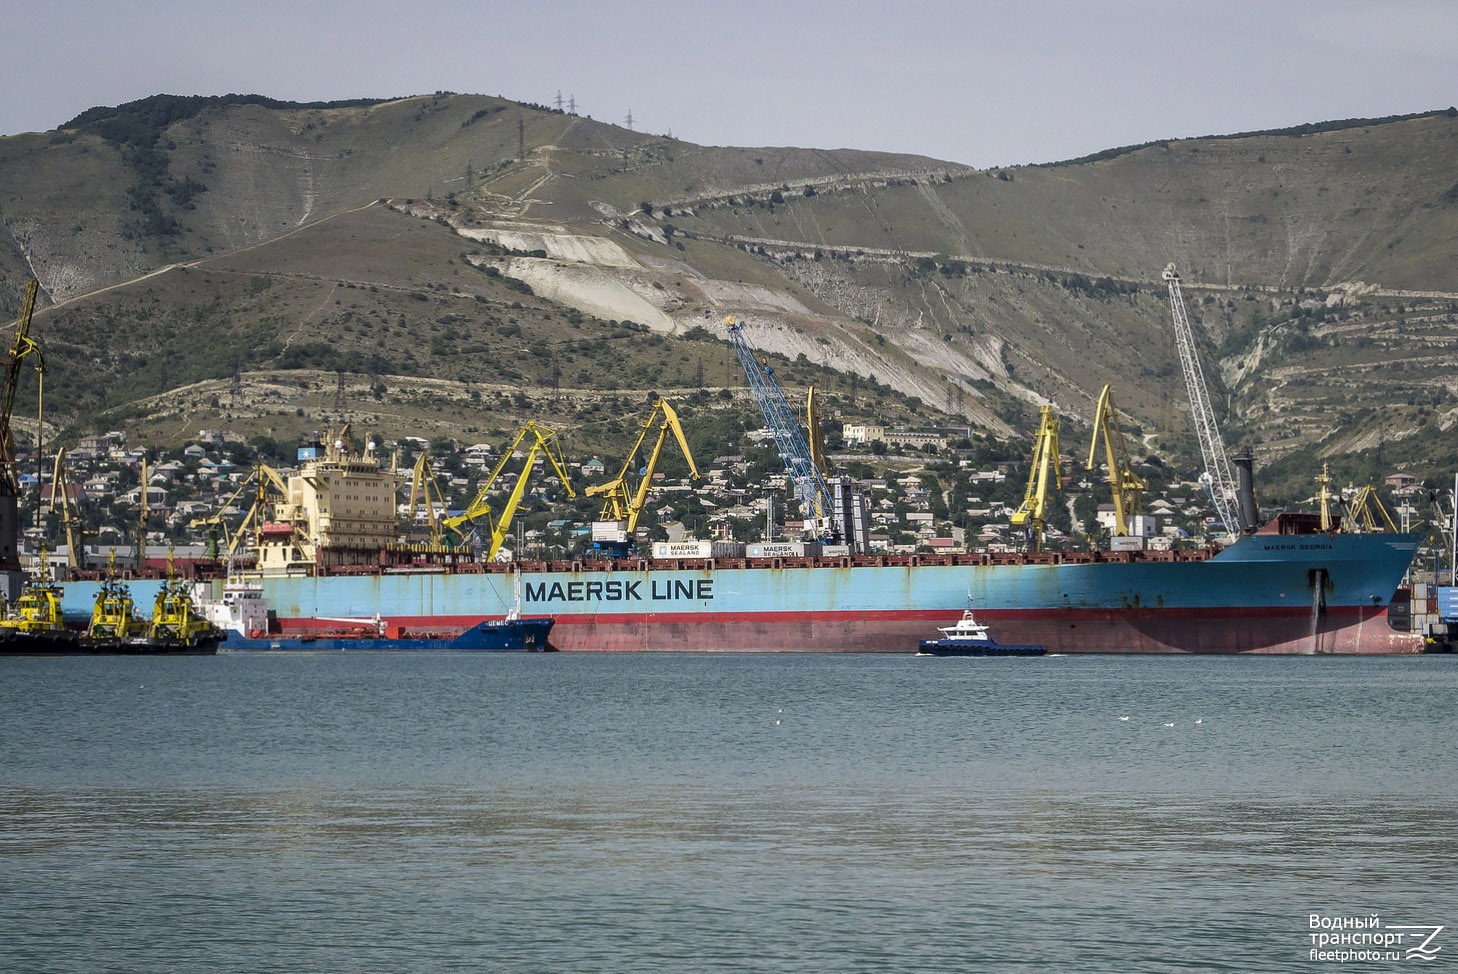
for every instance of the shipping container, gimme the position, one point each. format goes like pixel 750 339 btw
pixel 785 549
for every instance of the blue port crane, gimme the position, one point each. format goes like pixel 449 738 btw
pixel 811 489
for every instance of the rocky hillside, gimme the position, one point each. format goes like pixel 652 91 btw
pixel 489 248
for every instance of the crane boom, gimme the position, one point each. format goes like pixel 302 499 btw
pixel 1031 516
pixel 425 489
pixel 21 346
pixel 544 442
pixel 814 436
pixel 621 505
pixel 1217 478
pixel 1125 485
pixel 816 503
pixel 61 494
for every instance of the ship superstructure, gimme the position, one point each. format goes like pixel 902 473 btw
pixel 338 510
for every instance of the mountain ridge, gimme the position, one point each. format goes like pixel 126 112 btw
pixel 980 293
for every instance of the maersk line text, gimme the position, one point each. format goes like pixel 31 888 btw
pixel 621 590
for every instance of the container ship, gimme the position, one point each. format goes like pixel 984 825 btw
pixel 1269 592
pixel 327 547
pixel 330 550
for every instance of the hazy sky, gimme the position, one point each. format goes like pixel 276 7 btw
pixel 973 82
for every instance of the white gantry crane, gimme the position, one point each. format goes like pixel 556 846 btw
pixel 1217 478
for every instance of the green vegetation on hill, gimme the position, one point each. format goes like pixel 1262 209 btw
pixel 140 122
pixel 531 263
pixel 137 129
pixel 1307 128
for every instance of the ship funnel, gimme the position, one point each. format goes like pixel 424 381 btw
pixel 1245 491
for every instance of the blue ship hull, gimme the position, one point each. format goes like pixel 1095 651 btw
pixel 1266 593
pixel 503 636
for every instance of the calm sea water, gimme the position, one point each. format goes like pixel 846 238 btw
pixel 817 813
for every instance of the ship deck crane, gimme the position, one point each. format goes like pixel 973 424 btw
pixel 816 503
pixel 1217 478
pixel 21 346
pixel 624 505
pixel 544 442
pixel 1125 485
pixel 1043 479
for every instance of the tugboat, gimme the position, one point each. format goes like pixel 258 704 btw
pixel 176 628
pixel 971 638
pixel 36 626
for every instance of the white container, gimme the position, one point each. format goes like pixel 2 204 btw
pixel 610 531
pixel 784 549
pixel 683 549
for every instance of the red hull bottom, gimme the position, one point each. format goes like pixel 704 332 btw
pixel 1270 631
pixel 1349 631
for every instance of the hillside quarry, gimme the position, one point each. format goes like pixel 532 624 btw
pixel 508 250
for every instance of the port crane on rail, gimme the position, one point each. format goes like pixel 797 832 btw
pixel 1217 478
pixel 1043 479
pixel 624 504
pixel 1366 515
pixel 806 477
pixel 425 490
pixel 544 443
pixel 269 491
pixel 1125 485
pixel 70 517
pixel 268 488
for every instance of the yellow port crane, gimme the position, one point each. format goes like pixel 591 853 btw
pixel 624 505
pixel 1125 485
pixel 813 434
pixel 215 524
pixel 425 490
pixel 544 442
pixel 1031 515
pixel 70 519
pixel 269 490
pixel 1367 515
